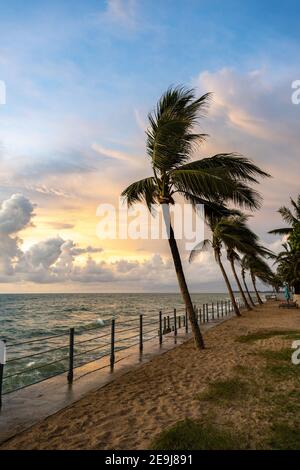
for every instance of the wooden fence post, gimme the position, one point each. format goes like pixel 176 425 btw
pixel 175 322
pixel 112 346
pixel 141 334
pixel 213 310
pixel 71 355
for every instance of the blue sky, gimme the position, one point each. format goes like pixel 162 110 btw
pixel 81 77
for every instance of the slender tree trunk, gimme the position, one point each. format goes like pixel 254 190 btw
pixel 230 291
pixel 247 290
pixel 255 289
pixel 181 280
pixel 239 285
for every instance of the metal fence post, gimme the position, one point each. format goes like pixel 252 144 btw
pixel 2 363
pixel 186 321
pixel 213 310
pixel 71 355
pixel 175 322
pixel 168 323
pixel 112 346
pixel 141 334
pixel 207 317
pixel 222 308
pixel 1 382
pixel 160 329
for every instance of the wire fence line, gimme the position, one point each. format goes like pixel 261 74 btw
pixel 37 359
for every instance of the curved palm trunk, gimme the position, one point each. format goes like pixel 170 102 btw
pixel 181 280
pixel 239 285
pixel 247 290
pixel 230 291
pixel 255 289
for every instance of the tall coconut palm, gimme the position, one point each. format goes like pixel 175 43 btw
pixel 258 269
pixel 290 216
pixel 171 137
pixel 288 269
pixel 216 243
pixel 232 233
pixel 244 268
pixel 239 237
pixel 234 257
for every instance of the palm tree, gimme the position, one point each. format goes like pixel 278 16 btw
pixel 290 216
pixel 234 257
pixel 288 269
pixel 239 237
pixel 258 269
pixel 232 232
pixel 216 228
pixel 171 137
pixel 244 268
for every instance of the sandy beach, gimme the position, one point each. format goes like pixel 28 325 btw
pixel 131 411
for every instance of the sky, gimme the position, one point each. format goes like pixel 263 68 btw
pixel 80 79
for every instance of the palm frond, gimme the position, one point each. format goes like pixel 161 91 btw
pixel 296 206
pixel 144 190
pixel 287 215
pixel 199 248
pixel 281 231
pixel 235 166
pixel 170 135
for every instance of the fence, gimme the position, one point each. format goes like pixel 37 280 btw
pixel 37 359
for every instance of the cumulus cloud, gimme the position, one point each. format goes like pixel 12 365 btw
pixel 51 260
pixel 15 214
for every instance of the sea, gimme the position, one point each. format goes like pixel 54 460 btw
pixel 36 328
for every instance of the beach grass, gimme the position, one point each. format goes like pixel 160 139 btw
pixel 229 389
pixel 271 390
pixel 285 437
pixel 261 335
pixel 192 435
